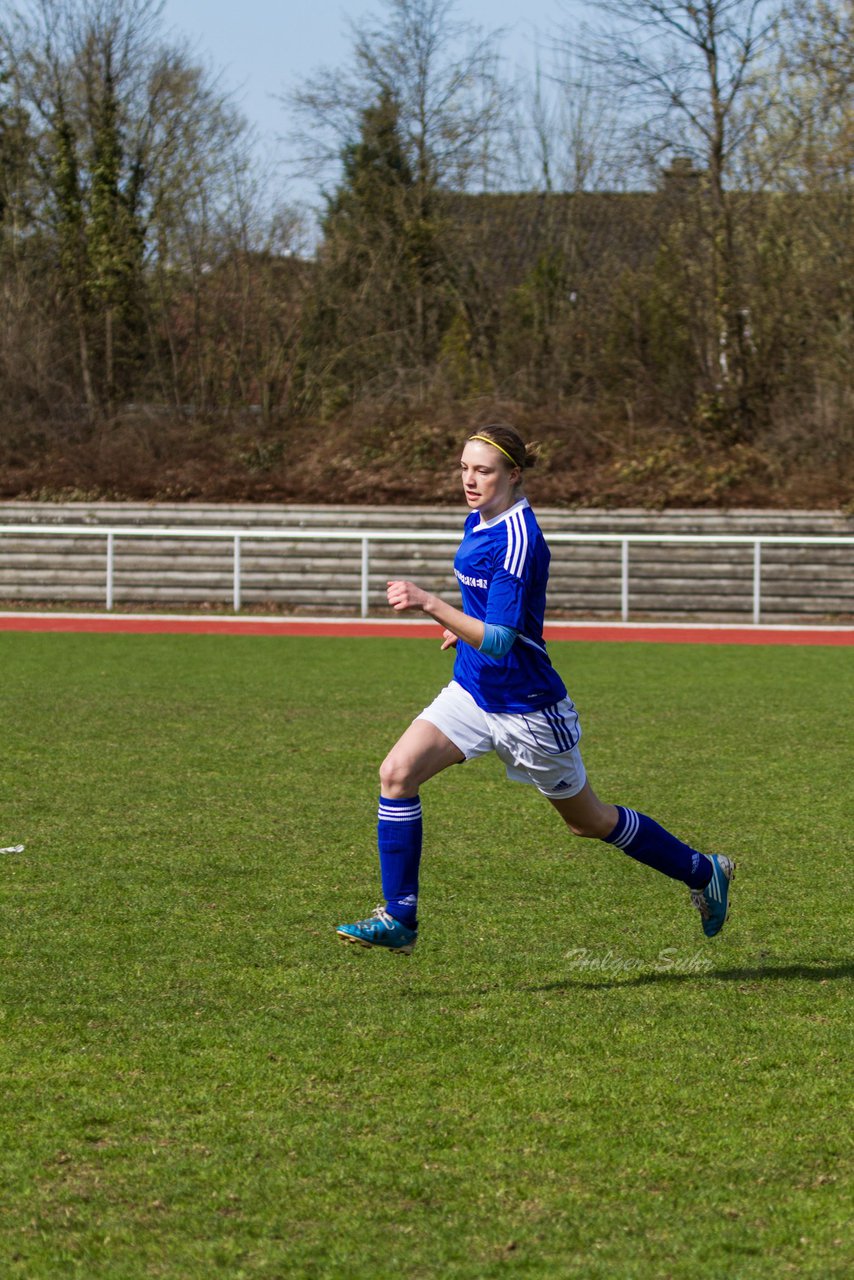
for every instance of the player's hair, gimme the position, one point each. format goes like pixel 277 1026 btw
pixel 510 443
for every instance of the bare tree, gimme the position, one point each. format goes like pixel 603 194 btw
pixel 442 73
pixel 414 116
pixel 693 83
pixel 139 157
pixel 565 128
pixel 807 138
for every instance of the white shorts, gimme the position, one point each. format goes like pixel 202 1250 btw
pixel 537 747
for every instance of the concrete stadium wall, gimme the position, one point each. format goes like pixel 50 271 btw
pixel 667 581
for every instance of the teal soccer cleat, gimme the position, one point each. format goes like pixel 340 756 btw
pixel 713 901
pixel 380 930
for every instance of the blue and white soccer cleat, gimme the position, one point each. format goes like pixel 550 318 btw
pixel 380 930
pixel 713 901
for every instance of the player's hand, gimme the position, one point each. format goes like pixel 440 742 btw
pixel 405 595
pixel 449 640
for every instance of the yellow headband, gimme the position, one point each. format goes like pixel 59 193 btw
pixel 486 440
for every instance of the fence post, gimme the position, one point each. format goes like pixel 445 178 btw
pixel 757 578
pixel 365 571
pixel 236 584
pixel 624 580
pixel 110 554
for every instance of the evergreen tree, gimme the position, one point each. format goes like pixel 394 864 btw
pixel 379 310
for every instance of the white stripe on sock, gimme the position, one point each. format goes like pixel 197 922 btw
pixel 632 825
pixel 411 814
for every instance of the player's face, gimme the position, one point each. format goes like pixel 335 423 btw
pixel 489 482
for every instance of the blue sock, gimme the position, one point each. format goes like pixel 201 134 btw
pixel 399 840
pixel 642 838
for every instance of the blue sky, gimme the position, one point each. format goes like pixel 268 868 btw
pixel 264 47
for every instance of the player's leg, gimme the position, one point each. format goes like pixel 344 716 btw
pixel 541 748
pixel 707 876
pixel 585 814
pixel 421 752
pixel 418 755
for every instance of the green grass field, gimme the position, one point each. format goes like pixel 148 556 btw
pixel 565 1080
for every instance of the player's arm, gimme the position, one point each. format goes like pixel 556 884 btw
pixel 493 640
pixel 403 596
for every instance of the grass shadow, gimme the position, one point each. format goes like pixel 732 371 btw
pixel 786 973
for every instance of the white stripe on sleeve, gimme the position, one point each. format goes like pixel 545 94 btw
pixel 517 544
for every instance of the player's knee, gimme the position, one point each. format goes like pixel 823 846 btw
pixel 592 826
pixel 395 777
pixel 586 830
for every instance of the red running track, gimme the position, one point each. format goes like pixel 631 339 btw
pixel 162 624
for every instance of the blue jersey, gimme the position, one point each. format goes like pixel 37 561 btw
pixel 502 567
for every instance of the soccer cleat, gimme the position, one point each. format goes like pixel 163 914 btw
pixel 713 901
pixel 380 930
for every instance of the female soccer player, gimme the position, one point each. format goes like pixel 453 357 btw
pixel 505 696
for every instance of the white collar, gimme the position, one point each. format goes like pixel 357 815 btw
pixel 488 524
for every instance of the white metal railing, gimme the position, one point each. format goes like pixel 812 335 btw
pixel 366 536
